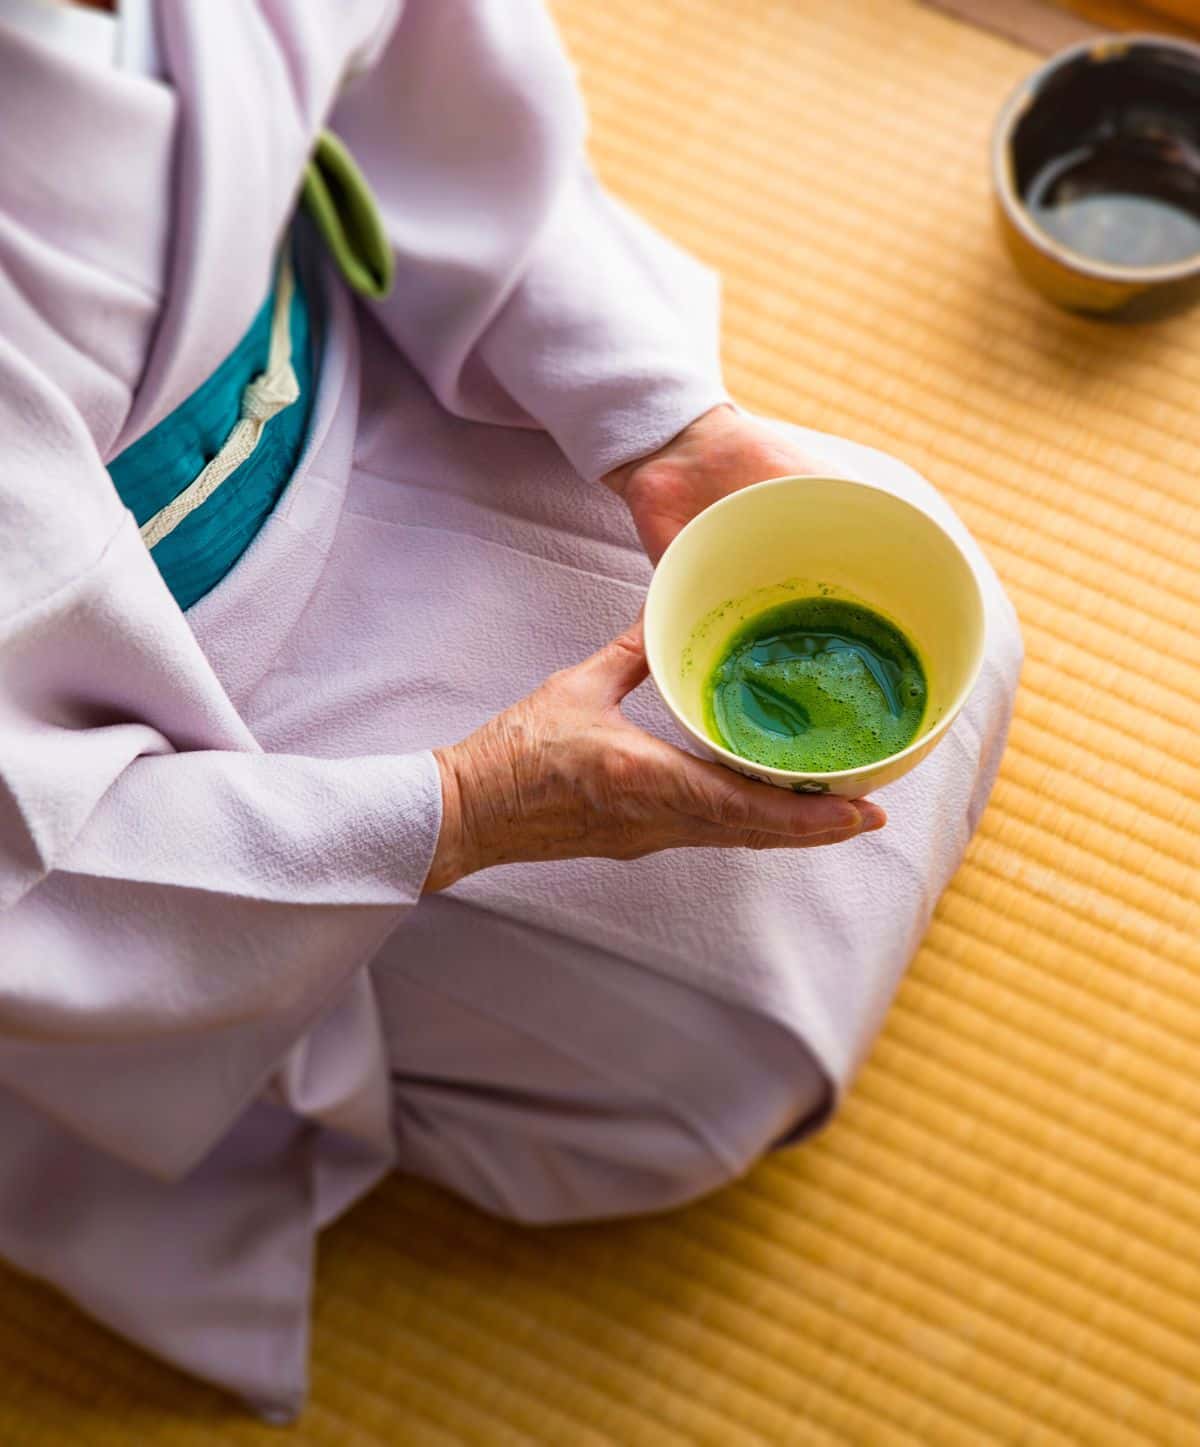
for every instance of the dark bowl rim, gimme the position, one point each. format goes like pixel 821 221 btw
pixel 1004 186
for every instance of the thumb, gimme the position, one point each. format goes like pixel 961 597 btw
pixel 617 668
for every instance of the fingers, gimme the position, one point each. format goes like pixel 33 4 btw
pixel 715 836
pixel 617 668
pixel 873 815
pixel 728 806
pixel 864 823
pixel 757 840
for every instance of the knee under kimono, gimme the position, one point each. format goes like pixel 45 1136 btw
pixel 225 1011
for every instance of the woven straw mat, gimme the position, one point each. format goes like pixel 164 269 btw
pixel 998 1240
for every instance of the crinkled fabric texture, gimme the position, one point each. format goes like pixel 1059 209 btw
pixel 211 824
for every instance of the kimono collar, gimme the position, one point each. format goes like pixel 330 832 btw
pixel 88 169
pixel 241 145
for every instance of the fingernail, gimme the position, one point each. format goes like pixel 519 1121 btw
pixel 872 816
pixel 849 817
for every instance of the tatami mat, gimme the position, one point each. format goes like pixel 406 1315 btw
pixel 999 1241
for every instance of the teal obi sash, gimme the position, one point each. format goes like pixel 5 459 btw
pixel 204 480
pixel 196 545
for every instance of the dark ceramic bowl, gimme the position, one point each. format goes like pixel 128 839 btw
pixel 1096 171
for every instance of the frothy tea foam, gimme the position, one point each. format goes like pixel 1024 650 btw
pixel 816 685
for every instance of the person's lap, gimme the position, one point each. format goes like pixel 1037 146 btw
pixel 547 1079
pixel 471 562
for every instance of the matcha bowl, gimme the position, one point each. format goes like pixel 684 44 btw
pixel 791 542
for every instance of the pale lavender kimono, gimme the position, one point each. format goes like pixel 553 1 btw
pixel 221 1016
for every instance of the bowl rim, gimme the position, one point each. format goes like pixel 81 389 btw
pixel 922 742
pixel 1004 185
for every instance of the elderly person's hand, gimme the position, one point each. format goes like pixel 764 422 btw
pixel 564 775
pixel 718 454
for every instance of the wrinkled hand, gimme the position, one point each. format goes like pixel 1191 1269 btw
pixel 718 454
pixel 563 774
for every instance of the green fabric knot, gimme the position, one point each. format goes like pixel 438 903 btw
pixel 341 204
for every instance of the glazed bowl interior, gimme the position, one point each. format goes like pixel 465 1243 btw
pixel 1098 158
pixel 800 537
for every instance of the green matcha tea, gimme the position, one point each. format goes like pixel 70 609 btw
pixel 816 685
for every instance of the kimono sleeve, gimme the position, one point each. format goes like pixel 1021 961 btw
pixel 177 907
pixel 524 294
